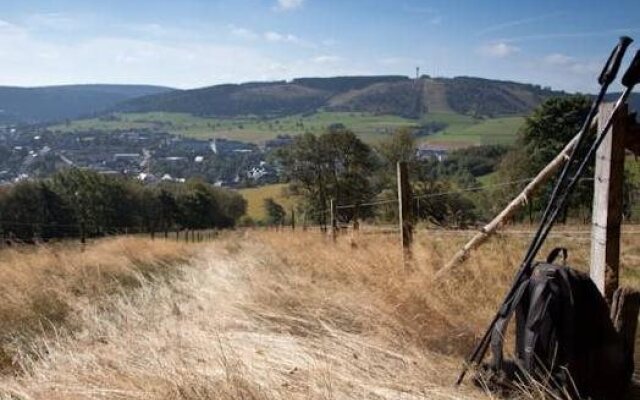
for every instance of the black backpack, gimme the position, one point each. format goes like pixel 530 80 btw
pixel 565 339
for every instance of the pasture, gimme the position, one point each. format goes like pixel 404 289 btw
pixel 461 130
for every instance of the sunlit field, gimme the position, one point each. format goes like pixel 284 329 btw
pixel 255 315
pixel 461 130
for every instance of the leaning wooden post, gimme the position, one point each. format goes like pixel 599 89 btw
pixel 523 198
pixel 404 211
pixel 607 203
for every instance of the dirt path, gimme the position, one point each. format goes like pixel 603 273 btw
pixel 207 336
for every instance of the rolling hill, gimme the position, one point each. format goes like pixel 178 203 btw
pixel 450 112
pixel 56 103
pixel 388 95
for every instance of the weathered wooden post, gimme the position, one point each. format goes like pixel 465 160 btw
pixel 404 211
pixel 334 220
pixel 607 203
pixel 356 218
pixel 606 226
pixel 83 237
pixel 293 219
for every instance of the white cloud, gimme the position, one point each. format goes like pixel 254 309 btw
pixel 558 59
pixel 286 5
pixel 564 63
pixel 276 37
pixel 57 21
pixel 326 59
pixel 184 62
pixel 269 36
pixel 519 22
pixel 243 33
pixel 498 50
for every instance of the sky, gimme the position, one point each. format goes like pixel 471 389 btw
pixel 195 43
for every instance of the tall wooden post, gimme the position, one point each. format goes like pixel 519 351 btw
pixel 356 218
pixel 304 221
pixel 404 211
pixel 607 203
pixel 334 220
pixel 83 234
pixel 293 219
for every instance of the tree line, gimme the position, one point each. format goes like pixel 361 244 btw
pixel 77 202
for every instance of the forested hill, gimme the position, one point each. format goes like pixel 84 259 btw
pixel 56 103
pixel 395 95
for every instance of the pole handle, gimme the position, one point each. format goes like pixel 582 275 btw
pixel 632 75
pixel 612 66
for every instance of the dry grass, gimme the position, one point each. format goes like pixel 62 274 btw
pixel 265 315
pixel 42 288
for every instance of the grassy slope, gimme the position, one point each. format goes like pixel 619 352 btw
pixel 284 316
pixel 44 286
pixel 256 196
pixel 490 131
pixel 461 130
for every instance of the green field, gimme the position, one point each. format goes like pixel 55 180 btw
pixel 462 130
pixel 256 196
pixel 488 131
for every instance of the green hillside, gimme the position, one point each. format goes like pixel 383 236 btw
pixel 56 103
pixel 461 130
pixel 454 112
pixel 488 131
pixel 384 95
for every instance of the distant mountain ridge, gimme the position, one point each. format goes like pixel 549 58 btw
pixel 395 95
pixel 57 103
pixel 386 94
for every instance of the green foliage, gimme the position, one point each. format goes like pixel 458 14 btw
pixel 545 133
pixel 484 97
pixel 76 201
pixel 401 146
pixel 475 161
pixel 334 165
pixel 275 212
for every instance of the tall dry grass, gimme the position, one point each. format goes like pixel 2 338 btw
pixel 41 287
pixel 264 315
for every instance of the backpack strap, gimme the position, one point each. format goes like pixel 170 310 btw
pixel 500 328
pixel 553 255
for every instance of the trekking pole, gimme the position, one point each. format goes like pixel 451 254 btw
pixel 629 81
pixel 606 77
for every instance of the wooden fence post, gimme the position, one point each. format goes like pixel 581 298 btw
pixel 334 220
pixel 83 237
pixel 293 219
pixel 356 218
pixel 404 211
pixel 607 203
pixel 624 315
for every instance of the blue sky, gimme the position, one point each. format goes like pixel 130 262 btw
pixel 192 43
